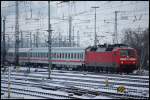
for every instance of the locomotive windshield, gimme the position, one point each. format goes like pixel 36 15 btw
pixel 127 53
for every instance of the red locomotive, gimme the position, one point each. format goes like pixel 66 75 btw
pixel 113 58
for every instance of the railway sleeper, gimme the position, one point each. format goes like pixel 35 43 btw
pixel 80 91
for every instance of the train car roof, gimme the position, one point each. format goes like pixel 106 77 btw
pixel 45 49
pixel 20 49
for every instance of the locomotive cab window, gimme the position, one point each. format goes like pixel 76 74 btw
pixel 127 53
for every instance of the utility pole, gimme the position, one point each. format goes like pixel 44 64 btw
pixel 30 41
pixel 70 23
pixel 70 29
pixel 95 40
pixel 21 39
pixel 17 36
pixel 115 31
pixel 49 41
pixel 4 48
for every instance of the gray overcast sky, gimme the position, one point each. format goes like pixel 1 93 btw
pixel 136 12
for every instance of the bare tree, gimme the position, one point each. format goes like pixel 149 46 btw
pixel 139 40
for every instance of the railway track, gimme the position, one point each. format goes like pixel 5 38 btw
pixel 121 76
pixel 98 86
pixel 30 91
pixel 77 85
pixel 71 78
pixel 101 77
pixel 80 91
pixel 94 86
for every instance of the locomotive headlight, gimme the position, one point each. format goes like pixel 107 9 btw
pixel 121 62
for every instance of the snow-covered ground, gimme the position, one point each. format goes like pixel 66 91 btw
pixel 135 84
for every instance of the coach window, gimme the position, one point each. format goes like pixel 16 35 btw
pixel 68 55
pixel 74 55
pixel 60 55
pixel 38 54
pixel 33 54
pixel 41 55
pixel 71 55
pixel 53 55
pixel 82 55
pixel 56 55
pixel 78 56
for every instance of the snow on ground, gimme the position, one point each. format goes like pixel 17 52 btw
pixel 85 79
pixel 18 96
pixel 83 73
pixel 36 89
pixel 98 82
